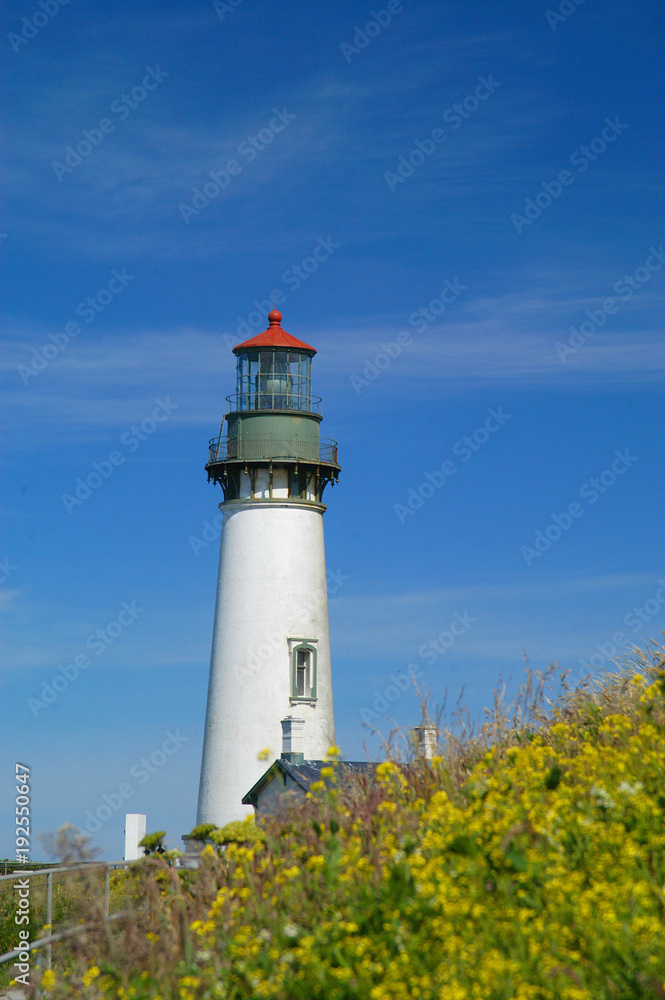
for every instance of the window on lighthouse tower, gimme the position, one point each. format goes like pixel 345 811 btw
pixel 302 670
pixel 303 682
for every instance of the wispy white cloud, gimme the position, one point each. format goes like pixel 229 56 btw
pixel 124 198
pixel 510 617
pixel 102 380
pixel 9 598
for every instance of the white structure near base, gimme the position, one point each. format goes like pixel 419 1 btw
pixel 135 831
pixel 426 740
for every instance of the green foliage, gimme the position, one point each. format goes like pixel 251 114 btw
pixel 73 895
pixel 153 842
pixel 238 832
pixel 202 831
pixel 525 863
pixel 553 779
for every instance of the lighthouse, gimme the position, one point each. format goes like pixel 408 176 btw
pixel 270 648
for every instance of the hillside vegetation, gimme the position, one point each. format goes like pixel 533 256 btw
pixel 526 862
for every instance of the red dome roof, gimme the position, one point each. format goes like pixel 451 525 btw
pixel 274 336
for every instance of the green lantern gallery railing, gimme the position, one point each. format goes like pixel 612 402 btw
pixel 273 396
pixel 272 449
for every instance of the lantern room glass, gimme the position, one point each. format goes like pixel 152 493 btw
pixel 274 379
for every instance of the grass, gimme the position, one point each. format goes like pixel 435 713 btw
pixel 525 862
pixel 72 894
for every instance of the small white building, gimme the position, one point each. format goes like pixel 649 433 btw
pixel 285 782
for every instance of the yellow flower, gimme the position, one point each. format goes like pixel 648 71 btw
pixel 93 973
pixel 264 754
pixel 49 979
pixel 485 873
pixel 333 751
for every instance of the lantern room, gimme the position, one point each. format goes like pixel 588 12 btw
pixel 275 371
pixel 273 418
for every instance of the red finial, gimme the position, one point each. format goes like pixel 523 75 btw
pixel 275 317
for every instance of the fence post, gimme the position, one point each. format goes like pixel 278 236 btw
pixel 40 965
pixel 107 890
pixel 49 914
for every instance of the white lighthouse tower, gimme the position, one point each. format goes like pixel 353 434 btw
pixel 270 646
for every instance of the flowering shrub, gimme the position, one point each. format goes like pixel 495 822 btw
pixel 202 831
pixel 535 873
pixel 240 831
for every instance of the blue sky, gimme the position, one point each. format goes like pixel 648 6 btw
pixel 484 183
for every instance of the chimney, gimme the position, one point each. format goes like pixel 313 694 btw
pixel 426 737
pixel 292 740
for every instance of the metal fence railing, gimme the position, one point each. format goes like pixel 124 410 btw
pixel 45 943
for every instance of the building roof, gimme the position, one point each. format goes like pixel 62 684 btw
pixel 274 336
pixel 305 774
